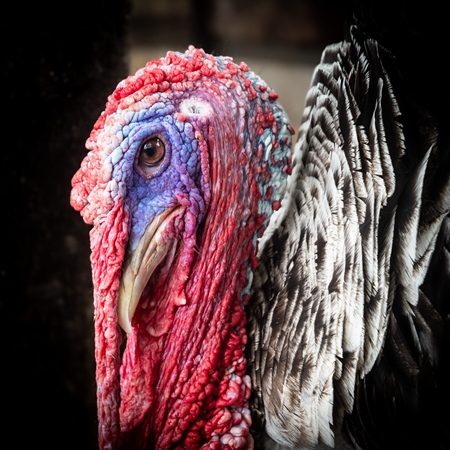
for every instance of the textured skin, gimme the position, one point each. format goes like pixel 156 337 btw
pixel 339 309
pixel 183 381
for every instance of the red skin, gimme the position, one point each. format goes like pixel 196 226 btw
pixel 181 382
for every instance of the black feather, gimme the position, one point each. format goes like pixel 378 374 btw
pixel 351 299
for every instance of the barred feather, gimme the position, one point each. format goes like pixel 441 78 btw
pixel 346 256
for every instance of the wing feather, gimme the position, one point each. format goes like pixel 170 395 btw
pixel 350 244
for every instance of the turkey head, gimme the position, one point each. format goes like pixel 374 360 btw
pixel 186 165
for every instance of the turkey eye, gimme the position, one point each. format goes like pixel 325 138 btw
pixel 151 155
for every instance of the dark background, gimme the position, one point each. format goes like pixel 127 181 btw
pixel 58 64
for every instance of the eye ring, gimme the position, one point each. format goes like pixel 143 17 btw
pixel 152 153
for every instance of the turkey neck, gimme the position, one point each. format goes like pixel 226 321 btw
pixel 195 373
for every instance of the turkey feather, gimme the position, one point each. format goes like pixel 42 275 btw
pixel 346 253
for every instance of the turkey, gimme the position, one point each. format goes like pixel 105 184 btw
pixel 253 295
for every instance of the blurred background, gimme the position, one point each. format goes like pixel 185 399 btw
pixel 279 40
pixel 59 61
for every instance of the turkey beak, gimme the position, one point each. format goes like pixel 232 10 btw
pixel 140 264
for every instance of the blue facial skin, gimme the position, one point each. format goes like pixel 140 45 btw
pixel 177 180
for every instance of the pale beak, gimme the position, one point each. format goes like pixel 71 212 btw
pixel 140 264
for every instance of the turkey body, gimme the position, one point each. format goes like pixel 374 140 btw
pixel 349 314
pixel 310 290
